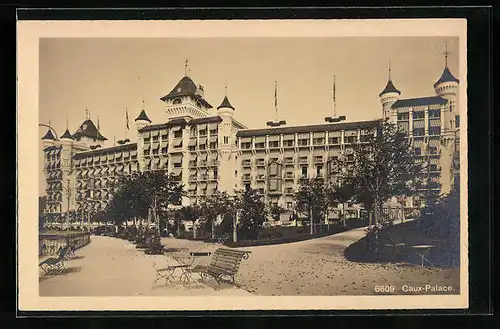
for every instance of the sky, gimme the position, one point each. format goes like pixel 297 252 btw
pixel 112 76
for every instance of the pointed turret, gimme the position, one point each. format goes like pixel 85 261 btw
pixel 143 117
pixel 49 136
pixel 388 96
pixel 446 86
pixel 225 104
pixel 67 135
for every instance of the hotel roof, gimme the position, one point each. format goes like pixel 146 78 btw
pixel 182 122
pixel 446 77
pixel 111 149
pixel 88 129
pixel 309 128
pixel 185 87
pixel 421 101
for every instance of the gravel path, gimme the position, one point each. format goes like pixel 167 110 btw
pixel 114 267
pixel 318 267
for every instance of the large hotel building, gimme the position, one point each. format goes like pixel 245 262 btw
pixel 208 152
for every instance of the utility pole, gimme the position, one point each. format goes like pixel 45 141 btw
pixel 235 223
pixel 68 193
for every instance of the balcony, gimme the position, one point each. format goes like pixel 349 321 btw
pixel 261 163
pixel 192 178
pixel 304 160
pixel 214 163
pixel 318 159
pixel 202 163
pixel 261 177
pixel 289 191
pixel 247 178
pixel 204 177
pixel 192 164
pixel 246 163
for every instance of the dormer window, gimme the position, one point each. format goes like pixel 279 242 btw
pixel 177 101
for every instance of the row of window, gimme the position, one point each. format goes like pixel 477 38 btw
pixel 417 115
pixel 305 142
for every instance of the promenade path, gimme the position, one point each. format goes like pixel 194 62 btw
pixel 318 267
pixel 114 267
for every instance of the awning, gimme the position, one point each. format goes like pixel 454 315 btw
pixel 177 142
pixel 96 157
pixel 203 140
pixel 213 139
pixel 176 158
pixel 319 134
pixel 434 142
pixel 155 133
pixel 148 163
pixel 203 157
pixel 176 171
pixel 260 139
pixel 192 142
pixel 193 157
pixel 126 153
pixel 84 160
pixel 418 142
pixel 350 133
pixel 202 185
pixel 111 156
pixel 246 139
pixel 164 132
pixel 97 171
pixel 304 152
pixel 103 157
pixel 274 138
pixel 77 162
pixel 192 187
pixel 212 126
pixel 213 185
pixel 334 134
pixel 288 137
pixel 303 136
pixel 202 127
pixel 176 128
pixel 133 153
pixel 118 155
pixel 418 124
pixel 214 157
pixel 434 161
pixel 119 168
pixel 91 172
pixel 155 146
pixel 319 152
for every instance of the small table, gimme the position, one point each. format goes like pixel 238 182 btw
pixel 422 251
pixel 168 272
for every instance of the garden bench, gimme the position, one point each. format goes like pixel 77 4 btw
pixel 55 264
pixel 225 263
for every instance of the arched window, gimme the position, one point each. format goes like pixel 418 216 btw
pixel 177 101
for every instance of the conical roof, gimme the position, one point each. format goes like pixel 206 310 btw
pixel 186 87
pixel 88 129
pixel 49 136
pixel 67 135
pixel 225 104
pixel 389 88
pixel 143 116
pixel 446 77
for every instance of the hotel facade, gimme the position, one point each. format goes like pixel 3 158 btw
pixel 208 150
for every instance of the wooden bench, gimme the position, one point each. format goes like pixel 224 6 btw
pixel 55 264
pixel 225 263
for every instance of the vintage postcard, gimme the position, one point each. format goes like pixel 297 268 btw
pixel 273 165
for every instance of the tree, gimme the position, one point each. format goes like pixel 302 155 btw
pixel 253 213
pixel 275 211
pixel 312 198
pixel 214 206
pixel 382 168
pixel 190 213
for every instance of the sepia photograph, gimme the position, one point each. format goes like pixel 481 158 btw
pixel 243 160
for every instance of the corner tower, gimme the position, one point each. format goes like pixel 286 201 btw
pixel 388 97
pixel 226 144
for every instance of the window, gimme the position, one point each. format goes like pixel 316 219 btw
pixel 403 116
pixel 433 167
pixel 192 147
pixel 177 101
pixel 433 150
pixel 365 138
pixel 213 132
pixel 235 173
pixel 304 171
pixel 418 115
pixel 304 142
pixel 434 131
pixel 246 145
pixel 213 145
pixel 193 131
pixel 226 140
pixel 155 138
pixel 178 134
pixel 318 171
pixel 457 121
pixel 418 132
pixel 418 151
pixel 147 139
pixel 274 144
pixel 203 132
pixel 333 140
pixel 202 146
pixel 216 173
pixel 434 114
pixel 319 141
pixel 289 143
pixel 260 145
pixel 247 186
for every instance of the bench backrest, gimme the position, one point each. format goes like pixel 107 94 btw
pixel 228 259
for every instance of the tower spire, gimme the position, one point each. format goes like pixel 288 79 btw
pixel 389 69
pixel 225 90
pixel 334 100
pixel 276 99
pixel 66 123
pixel 186 67
pixel 446 53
